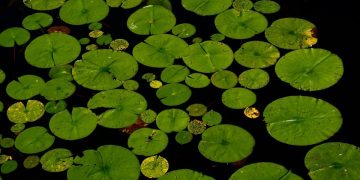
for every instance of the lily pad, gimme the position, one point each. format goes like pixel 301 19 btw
pixel 151 19
pixel 26 87
pixel 160 50
pixel 54 107
pixel 107 162
pixel 126 104
pixel 224 79
pixel 164 3
pixel 58 89
pixel 18 113
pixel 80 12
pixel 174 73
pixel 14 36
pixel 257 54
pixel 206 7
pixel 242 5
pixel 254 78
pixel 217 37
pixel 264 171
pixel 172 120
pixel 31 161
pixel 104 40
pixel 2 76
pixel 226 143
pixel 154 166
pixel 196 109
pixel 131 85
pixel 238 98
pixel 7 142
pixel 185 174
pixel 173 94
pixel 37 21
pixel 333 160
pixel 53 49
pixel 17 128
pixel 212 118
pixel 34 140
pixel 147 141
pixel 43 5
pixel 104 69
pixel 9 167
pixel 266 6
pixel 243 25
pixel 77 125
pixel 183 30
pixel 310 69
pixel 56 160
pixel 196 127
pixel 291 33
pixel 62 71
pixel 148 116
pixel 125 4
pixel 301 120
pixel 197 80
pixel 183 137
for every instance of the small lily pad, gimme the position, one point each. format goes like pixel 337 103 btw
pixel 174 73
pixel 131 85
pixel 148 116
pixel 43 5
pixel 217 37
pixel 56 160
pixel 197 80
pixel 31 161
pixel 26 87
pixel 238 98
pixel 125 4
pixel 62 71
pixel 9 167
pixel 154 166
pixel 301 120
pixel 172 120
pixel 164 3
pixel 34 140
pixel 185 174
pixel 183 30
pixel 14 36
pixel 1 106
pixel 183 137
pixel 196 127
pixel 212 118
pixel 173 94
pixel 19 113
pixel 103 40
pixel 156 84
pixel 7 142
pixel 37 21
pixel 206 7
pixel 147 141
pixel 242 5
pixel 95 26
pixel 17 128
pixel 58 89
pixel 224 79
pixel 254 78
pixel 196 109
pixel 119 44
pixel 266 6
pixel 2 76
pixel 54 107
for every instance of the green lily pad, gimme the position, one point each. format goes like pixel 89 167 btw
pixel 224 79
pixel 53 49
pixel 183 30
pixel 56 160
pixel 14 36
pixel 264 171
pixel 266 6
pixel 31 161
pixel 310 69
pixel 107 162
pixel 257 54
pixel 104 40
pixel 1 106
pixel 151 19
pixel 164 3
pixel 301 120
pixel 160 50
pixel 58 89
pixel 131 85
pixel 9 167
pixel 7 142
pixel 104 69
pixel 173 94
pixel 126 104
pixel 183 137
pixel 54 107
pixel 174 73
pixel 243 25
pixel 196 109
pixel 80 12
pixel 226 143
pixel 4 158
pixel 95 26
pixel 212 118
pixel 37 21
pixel 185 174
pixel 217 37
pixel 84 41
pixel 119 44
pixel 148 116
pixel 291 33
pixel 206 7
pixel 196 127
pixel 209 56
pixel 172 120
pixel 62 71
pixel 2 76
pixel 154 166
pixel 77 125
pixel 333 160
pixel 242 5
pixel 254 78
pixel 197 80
pixel 43 5
pixel 125 4
pixel 17 128
pixel 147 141
pixel 26 87
pixel 238 98
pixel 18 113
pixel 34 140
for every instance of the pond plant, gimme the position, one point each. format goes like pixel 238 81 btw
pixel 95 102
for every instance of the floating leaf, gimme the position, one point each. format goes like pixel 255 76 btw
pixel 209 56
pixel 301 120
pixel 104 69
pixel 34 140
pixel 183 30
pixel 242 5
pixel 104 40
pixel 7 142
pixel 131 85
pixel 251 112
pixel 172 120
pixel 217 37
pixel 206 7
pixel 4 158
pixel 37 21
pixel 125 4
pixel 84 41
pixel 151 19
pixel 62 71
pixel 266 6
pixel 95 26
pixel 77 125
pixel 154 166
pixel 226 143
pixel 56 160
pixel 197 40
pixel 333 160
pixel 185 174
pixel 147 141
pixel 164 3
pixel 1 106
pixel 196 109
pixel 96 34
pixel 196 127
pixel 2 76
pixel 173 94
pixel 18 113
pixel 14 36
pixel 31 161
pixel 156 84
pixel 310 69
pixel 183 137
pixel 240 26
pixel 148 77
pixel 224 79
pixel 17 128
pixel 119 44
pixel 107 162
pixel 91 47
pixel 9 167
pixel 58 89
pixel 174 73
pixel 26 87
pixel 238 98
pixel 43 5
pixel 148 116
pixel 212 118
pixel 54 107
pixel 53 49
pixel 197 80
pixel 80 12
pixel 160 50
pixel 254 78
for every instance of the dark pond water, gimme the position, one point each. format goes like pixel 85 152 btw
pixel 336 32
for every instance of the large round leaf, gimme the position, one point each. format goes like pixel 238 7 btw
pixel 37 21
pixel 238 98
pixel 26 87
pixel 254 78
pixel 57 89
pixel 18 113
pixel 301 120
pixel 147 141
pixel 206 7
pixel 224 79
pixel 173 94
pixel 160 50
pixel 53 49
pixel 104 69
pixel 172 120
pixel 226 143
pixel 310 69
pixel 34 140
pixel 56 160
pixel 151 19
pixel 14 36
pixel 77 125
pixel 209 56
pixel 240 26
pixel 107 162
pixel 79 12
pixel 197 80
pixel 43 5
pixel 185 174
pixel 333 160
